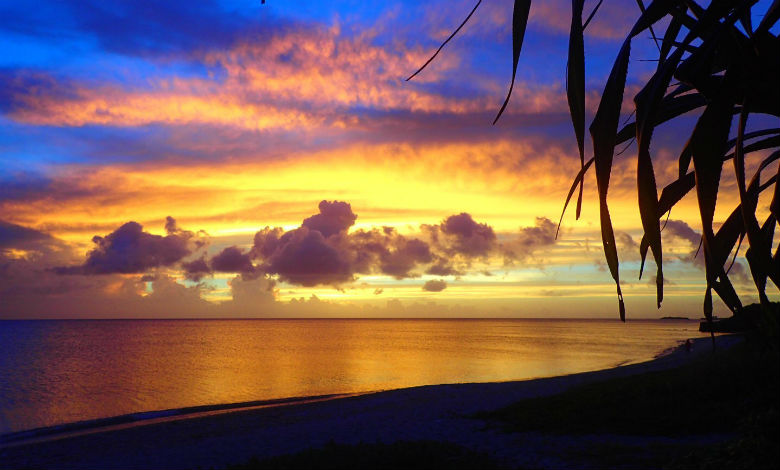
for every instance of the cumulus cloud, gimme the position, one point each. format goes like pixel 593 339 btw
pixel 305 257
pixel 232 260
pixel 334 217
pixel 322 251
pixel 531 239
pixel 129 249
pixel 435 285
pixel 682 231
pixel 467 236
pixel 196 269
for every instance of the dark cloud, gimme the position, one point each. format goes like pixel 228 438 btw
pixel 25 252
pixel 129 249
pixel 434 285
pixel 324 252
pixel 467 236
pixel 529 240
pixel 304 257
pixel 542 234
pixel 406 255
pixel 17 236
pixel 442 268
pixel 196 269
pixel 20 185
pixel 232 260
pixel 682 231
pixel 334 217
pixel 266 242
pixel 679 230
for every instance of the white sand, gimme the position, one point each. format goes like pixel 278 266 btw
pixel 437 412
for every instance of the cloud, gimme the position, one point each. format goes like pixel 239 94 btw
pixel 17 236
pixel 405 256
pixel 305 257
pixel 322 251
pixel 468 237
pixel 529 240
pixel 434 285
pixel 232 260
pixel 35 250
pixel 628 248
pixel 196 269
pixel 129 249
pixel 334 217
pixel 257 295
pixel 682 231
pixel 608 23
pixel 299 76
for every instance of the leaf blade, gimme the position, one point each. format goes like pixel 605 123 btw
pixel 519 22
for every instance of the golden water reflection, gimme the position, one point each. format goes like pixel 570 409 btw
pixel 53 372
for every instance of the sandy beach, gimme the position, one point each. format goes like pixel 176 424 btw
pixel 438 412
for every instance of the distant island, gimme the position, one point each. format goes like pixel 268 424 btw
pixel 675 318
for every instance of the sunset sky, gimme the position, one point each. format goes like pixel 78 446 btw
pixel 230 159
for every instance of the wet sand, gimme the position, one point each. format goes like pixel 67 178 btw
pixel 216 438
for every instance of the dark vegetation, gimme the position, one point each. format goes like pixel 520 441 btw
pixel 735 393
pixel 712 61
pixel 752 318
pixel 399 455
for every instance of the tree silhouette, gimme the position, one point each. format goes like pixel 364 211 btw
pixel 724 68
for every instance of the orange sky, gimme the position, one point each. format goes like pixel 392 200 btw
pixel 229 136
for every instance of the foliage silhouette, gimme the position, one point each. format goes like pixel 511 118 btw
pixel 724 68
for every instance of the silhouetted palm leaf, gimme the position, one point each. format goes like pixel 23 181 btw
pixel 575 86
pixel 519 22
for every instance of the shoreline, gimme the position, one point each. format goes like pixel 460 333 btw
pixel 217 435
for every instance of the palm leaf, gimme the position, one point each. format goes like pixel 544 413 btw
pixel 575 86
pixel 519 22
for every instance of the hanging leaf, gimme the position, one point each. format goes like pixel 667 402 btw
pixel 575 85
pixel 577 180
pixel 603 133
pixel 752 135
pixel 707 144
pixel 519 22
pixel 675 24
pixel 759 252
pixel 670 108
pixel 647 103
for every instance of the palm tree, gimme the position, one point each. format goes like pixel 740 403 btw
pixel 725 69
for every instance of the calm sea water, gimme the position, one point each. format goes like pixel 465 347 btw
pixel 53 372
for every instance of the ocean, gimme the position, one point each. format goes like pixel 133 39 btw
pixel 55 372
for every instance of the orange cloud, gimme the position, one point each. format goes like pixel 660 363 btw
pixel 301 80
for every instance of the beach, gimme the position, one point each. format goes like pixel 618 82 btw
pixel 437 413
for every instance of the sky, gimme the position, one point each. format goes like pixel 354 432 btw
pixel 239 159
